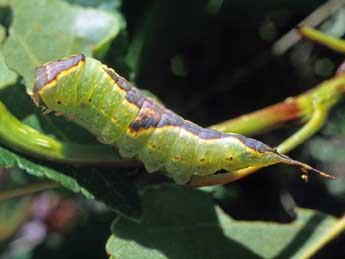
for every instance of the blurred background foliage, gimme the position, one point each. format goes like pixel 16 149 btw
pixel 208 60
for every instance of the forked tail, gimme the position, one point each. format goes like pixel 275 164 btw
pixel 305 168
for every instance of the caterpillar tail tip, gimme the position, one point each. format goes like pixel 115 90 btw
pixel 305 168
pixel 323 174
pixel 327 175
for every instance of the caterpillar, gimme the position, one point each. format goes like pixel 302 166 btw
pixel 117 113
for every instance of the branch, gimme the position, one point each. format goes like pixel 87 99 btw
pixel 26 190
pixel 312 20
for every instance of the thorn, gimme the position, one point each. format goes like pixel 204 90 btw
pixel 326 175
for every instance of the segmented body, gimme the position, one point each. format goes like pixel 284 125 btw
pixel 97 98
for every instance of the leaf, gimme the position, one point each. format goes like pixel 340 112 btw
pixel 182 223
pixel 9 159
pixel 7 76
pixel 44 30
pixel 112 188
pixel 2 32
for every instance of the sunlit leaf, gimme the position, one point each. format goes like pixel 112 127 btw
pixel 180 222
pixel 44 30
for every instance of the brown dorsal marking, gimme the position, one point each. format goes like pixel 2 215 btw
pixel 170 118
pixel 49 72
pixel 251 143
pixel 210 134
pixel 149 116
pixel 191 127
pixel 135 97
pixel 120 81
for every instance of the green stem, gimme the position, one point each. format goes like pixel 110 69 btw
pixel 26 190
pixel 299 108
pixel 323 39
pixel 308 130
pixel 262 120
pixel 25 139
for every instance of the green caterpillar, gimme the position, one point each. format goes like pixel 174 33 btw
pixel 97 98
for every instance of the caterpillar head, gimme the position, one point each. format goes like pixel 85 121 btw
pixel 54 80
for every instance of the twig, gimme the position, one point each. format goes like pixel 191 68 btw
pixel 26 190
pixel 312 20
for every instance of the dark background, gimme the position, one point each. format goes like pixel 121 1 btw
pixel 210 61
pixel 225 69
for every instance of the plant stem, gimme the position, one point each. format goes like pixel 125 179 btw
pixel 298 108
pixel 28 189
pixel 323 39
pixel 25 139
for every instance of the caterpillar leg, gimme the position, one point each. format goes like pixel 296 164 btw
pixel 323 39
pixel 313 125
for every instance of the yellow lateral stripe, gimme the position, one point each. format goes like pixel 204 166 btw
pixel 62 73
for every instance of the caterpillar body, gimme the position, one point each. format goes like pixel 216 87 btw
pixel 97 98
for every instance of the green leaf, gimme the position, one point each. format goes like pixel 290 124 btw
pixel 44 30
pixel 2 33
pixel 182 223
pixel 9 159
pixel 7 76
pixel 111 188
